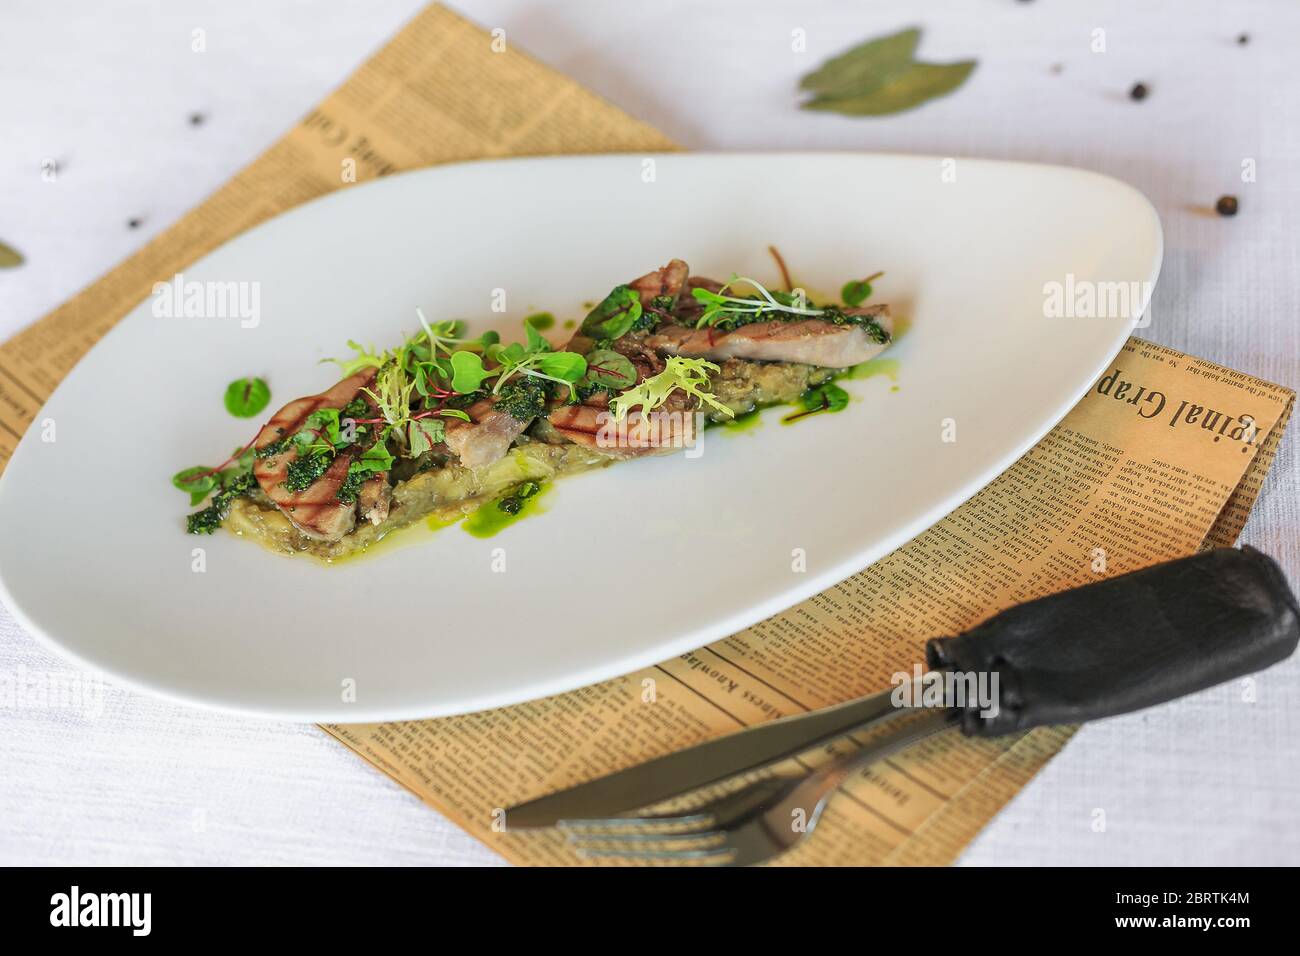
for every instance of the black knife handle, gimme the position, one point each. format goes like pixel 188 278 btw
pixel 1128 642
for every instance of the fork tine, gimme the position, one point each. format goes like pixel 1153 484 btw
pixel 643 838
pixel 713 856
pixel 691 820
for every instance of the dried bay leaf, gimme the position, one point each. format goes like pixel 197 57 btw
pixel 9 257
pixel 865 66
pixel 881 77
pixel 902 91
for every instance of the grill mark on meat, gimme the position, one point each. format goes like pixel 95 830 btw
pixel 316 510
pixel 590 425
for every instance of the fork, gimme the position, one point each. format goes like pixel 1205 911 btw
pixel 756 823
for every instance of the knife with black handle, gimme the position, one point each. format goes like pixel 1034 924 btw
pixel 1107 648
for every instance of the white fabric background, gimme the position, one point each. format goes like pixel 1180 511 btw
pixel 107 91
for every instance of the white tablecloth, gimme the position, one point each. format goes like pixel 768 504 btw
pixel 107 91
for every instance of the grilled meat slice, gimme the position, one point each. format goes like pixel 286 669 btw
pixel 593 425
pixel 316 510
pixel 588 423
pixel 486 437
pixel 667 281
pixel 809 341
pixel 670 280
pixel 374 499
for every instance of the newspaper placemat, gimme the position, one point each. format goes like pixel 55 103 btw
pixel 1119 484
pixel 1163 456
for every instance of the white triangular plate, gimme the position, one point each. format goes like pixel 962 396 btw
pixel 630 565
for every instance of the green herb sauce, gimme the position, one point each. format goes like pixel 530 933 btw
pixel 523 398
pixel 303 471
pixel 519 502
pixel 817 400
pixel 744 422
pixel 209 519
pixel 874 368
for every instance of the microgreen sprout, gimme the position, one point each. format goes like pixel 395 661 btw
pixel 615 315
pixel 442 336
pixel 690 375
pixel 392 394
pixel 366 357
pixel 469 372
pixel 719 307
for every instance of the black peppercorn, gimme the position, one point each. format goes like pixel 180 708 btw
pixel 1226 206
pixel 1139 91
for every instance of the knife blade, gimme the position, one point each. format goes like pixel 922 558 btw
pixel 703 764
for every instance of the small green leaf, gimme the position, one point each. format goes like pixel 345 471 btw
pixel 829 397
pixel 196 481
pixel 511 354
pixel 855 292
pixel 567 366
pixel 425 374
pixel 610 369
pixel 881 77
pixel 614 316
pixel 424 434
pixel 376 458
pixel 866 65
pixel 825 398
pixel 245 397
pixel 536 341
pixel 9 257
pixel 467 372
pixel 324 422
